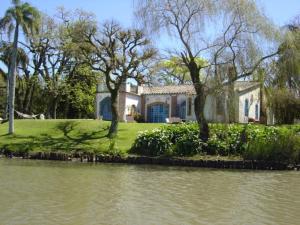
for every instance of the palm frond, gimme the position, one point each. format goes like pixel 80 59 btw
pixel 16 2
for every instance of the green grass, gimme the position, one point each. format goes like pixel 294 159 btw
pixel 69 136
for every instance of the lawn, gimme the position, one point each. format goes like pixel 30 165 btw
pixel 69 135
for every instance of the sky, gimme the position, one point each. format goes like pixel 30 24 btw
pixel 279 11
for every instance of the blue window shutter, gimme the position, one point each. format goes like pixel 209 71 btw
pixel 246 107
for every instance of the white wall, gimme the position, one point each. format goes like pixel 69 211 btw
pixel 132 99
pixel 254 95
pixel 210 108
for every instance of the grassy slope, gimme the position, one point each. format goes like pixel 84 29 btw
pixel 68 135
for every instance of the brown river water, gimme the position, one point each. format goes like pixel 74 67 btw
pixel 61 193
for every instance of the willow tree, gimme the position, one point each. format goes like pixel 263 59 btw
pixel 285 92
pixel 231 44
pixel 19 16
pixel 119 54
pixel 173 71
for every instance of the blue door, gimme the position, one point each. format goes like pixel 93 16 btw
pixel 157 113
pixel 181 109
pixel 105 109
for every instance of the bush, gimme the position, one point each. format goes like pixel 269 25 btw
pixel 281 145
pixel 188 145
pixel 180 139
pixel 226 139
pixel 253 142
pixel 138 118
pixel 152 143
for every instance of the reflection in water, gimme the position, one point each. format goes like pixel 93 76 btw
pixel 36 192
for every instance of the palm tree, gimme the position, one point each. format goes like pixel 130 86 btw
pixel 22 60
pixel 24 16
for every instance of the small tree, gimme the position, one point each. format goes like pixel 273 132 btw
pixel 119 54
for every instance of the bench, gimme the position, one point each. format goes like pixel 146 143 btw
pixel 173 120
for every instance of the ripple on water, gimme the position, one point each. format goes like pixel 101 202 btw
pixel 34 192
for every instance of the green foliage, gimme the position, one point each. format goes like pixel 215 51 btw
pixel 152 143
pixel 180 140
pixel 138 118
pixel 174 71
pixel 279 145
pixel 285 105
pixel 255 142
pixel 225 139
pixel 188 145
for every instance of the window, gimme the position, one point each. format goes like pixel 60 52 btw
pixel 256 112
pixel 189 112
pixel 246 107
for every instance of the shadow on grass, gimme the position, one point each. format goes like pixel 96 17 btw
pixel 66 138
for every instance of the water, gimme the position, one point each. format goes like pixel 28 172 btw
pixel 61 193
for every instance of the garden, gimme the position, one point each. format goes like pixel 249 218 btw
pixel 249 141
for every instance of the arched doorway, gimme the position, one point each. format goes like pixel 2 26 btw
pixel 157 113
pixel 105 109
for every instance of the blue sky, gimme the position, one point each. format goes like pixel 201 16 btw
pixel 280 11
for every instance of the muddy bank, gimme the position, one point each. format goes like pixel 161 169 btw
pixel 220 164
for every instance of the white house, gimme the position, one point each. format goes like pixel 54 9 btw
pixel 155 104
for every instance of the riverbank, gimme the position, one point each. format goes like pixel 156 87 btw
pixel 201 162
pixel 69 136
pixel 86 141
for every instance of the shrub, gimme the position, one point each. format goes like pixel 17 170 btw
pixel 176 131
pixel 274 145
pixel 152 143
pixel 225 139
pixel 138 118
pixel 188 145
pixel 254 142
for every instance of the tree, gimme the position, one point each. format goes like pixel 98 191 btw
pixel 24 16
pixel 173 71
pixel 22 61
pixel 119 54
pixel 285 105
pixel 284 99
pixel 237 26
pixel 79 101
pixel 288 74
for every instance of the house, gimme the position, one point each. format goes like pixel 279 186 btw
pixel 156 104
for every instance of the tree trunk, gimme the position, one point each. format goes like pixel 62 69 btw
pixel 115 115
pixel 29 107
pixel 199 102
pixel 27 96
pixel 7 96
pixel 55 103
pixel 66 109
pixel 231 103
pixel 12 82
